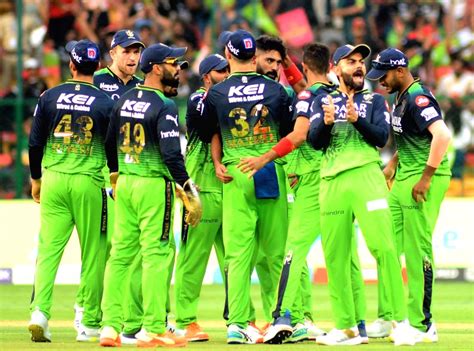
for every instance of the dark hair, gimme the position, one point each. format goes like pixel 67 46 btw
pixel 87 69
pixel 268 43
pixel 316 57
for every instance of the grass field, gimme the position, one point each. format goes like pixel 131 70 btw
pixel 453 309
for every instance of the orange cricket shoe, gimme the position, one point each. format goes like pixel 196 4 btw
pixel 167 339
pixel 109 337
pixel 194 333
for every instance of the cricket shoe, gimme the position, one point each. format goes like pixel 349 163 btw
pixel 109 337
pixel 279 331
pixel 254 334
pixel 313 330
pixel 192 333
pixel 167 339
pixel 363 332
pixel 78 313
pixel 38 327
pixel 170 327
pixel 128 338
pixel 300 333
pixel 237 335
pixel 403 334
pixel 430 336
pixel 379 328
pixel 340 337
pixel 85 334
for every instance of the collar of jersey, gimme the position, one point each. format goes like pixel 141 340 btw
pixel 362 91
pixel 399 96
pixel 155 90
pixel 73 81
pixel 120 79
pixel 327 85
pixel 244 74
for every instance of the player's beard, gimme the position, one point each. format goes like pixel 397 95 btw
pixel 272 74
pixel 350 83
pixel 170 83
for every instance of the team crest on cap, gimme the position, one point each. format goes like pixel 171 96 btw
pixel 91 53
pixel 130 34
pixel 248 43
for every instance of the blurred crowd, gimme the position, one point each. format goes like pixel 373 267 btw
pixel 437 36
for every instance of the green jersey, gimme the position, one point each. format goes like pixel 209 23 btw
pixel 69 128
pixel 414 111
pixel 349 145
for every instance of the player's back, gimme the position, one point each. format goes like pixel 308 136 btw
pixel 136 121
pixel 252 112
pixel 73 120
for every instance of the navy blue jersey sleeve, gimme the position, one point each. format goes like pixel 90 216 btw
pixel 319 133
pixel 424 110
pixel 170 146
pixel 285 111
pixel 303 105
pixel 193 113
pixel 375 130
pixel 111 141
pixel 210 122
pixel 38 138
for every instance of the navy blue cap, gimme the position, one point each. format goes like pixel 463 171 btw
pixel 83 53
pixel 212 63
pixel 347 50
pixel 125 38
pixel 240 43
pixel 158 53
pixel 385 61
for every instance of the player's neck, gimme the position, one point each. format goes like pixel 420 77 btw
pixel 124 77
pixel 83 78
pixel 317 78
pixel 236 67
pixel 406 84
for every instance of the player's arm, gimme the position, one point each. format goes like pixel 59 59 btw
pixel 194 120
pixel 37 142
pixel 209 124
pixel 375 128
pixel 111 148
pixel 429 117
pixel 170 149
pixel 321 123
pixel 390 170
pixel 293 75
pixel 216 154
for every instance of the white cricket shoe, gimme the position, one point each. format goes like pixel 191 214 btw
pixel 128 339
pixel 429 337
pixel 279 331
pixel 254 335
pixel 313 330
pixel 87 334
pixel 78 313
pixel 379 328
pixel 340 337
pixel 403 334
pixel 38 327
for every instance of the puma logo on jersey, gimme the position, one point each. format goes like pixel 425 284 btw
pixel 171 118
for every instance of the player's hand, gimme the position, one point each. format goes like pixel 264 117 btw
pixel 419 192
pixel 329 111
pixel 113 182
pixel 222 175
pixel 352 114
pixel 293 179
pixel 190 196
pixel 36 190
pixel 251 164
pixel 389 174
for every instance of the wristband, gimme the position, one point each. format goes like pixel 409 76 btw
pixel 284 147
pixel 293 74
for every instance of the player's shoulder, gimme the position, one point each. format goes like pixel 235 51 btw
pixel 197 95
pixel 102 71
pixel 419 95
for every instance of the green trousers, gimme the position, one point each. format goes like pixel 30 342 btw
pixel 143 224
pixel 247 222
pixel 294 294
pixel 68 200
pixel 414 225
pixel 193 255
pixel 361 193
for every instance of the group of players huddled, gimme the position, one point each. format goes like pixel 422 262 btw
pixel 268 169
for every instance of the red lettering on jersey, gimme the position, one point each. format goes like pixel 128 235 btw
pixel 422 101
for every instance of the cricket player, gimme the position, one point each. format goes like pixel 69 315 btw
pixel 115 80
pixel 250 112
pixel 67 141
pixel 197 242
pixel 349 124
pixel 420 174
pixel 144 137
pixel 290 313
